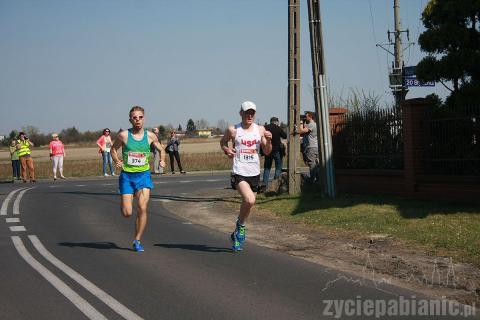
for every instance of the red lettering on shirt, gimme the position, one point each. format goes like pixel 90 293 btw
pixel 249 143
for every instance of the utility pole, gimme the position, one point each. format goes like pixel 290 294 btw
pixel 293 93
pixel 327 175
pixel 401 91
pixel 396 76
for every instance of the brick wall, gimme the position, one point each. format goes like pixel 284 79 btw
pixel 411 181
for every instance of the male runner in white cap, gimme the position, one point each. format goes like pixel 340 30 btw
pixel 248 138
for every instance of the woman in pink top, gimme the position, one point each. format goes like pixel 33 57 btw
pixel 105 144
pixel 57 152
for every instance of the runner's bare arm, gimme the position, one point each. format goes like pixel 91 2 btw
pixel 159 146
pixel 119 142
pixel 228 135
pixel 266 142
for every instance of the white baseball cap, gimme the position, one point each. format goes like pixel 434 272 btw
pixel 248 105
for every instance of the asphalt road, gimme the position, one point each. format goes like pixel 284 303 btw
pixel 65 252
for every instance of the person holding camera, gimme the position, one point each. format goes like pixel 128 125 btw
pixel 25 157
pixel 172 149
pixel 311 151
pixel 278 151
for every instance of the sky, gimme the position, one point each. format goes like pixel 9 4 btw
pixel 85 63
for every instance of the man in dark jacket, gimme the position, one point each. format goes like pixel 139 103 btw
pixel 278 151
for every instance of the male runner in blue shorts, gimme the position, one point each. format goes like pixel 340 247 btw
pixel 135 180
pixel 248 138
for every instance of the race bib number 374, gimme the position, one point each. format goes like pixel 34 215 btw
pixel 136 159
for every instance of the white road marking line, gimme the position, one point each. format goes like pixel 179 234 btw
pixel 81 185
pixel 16 203
pixel 90 287
pixel 3 210
pixel 108 184
pixel 12 220
pixel 162 200
pixel 159 182
pixel 61 286
pixel 17 228
pixel 185 181
pixel 214 180
pixel 187 223
pixel 53 186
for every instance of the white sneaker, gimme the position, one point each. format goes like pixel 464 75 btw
pixel 106 175
pixel 113 174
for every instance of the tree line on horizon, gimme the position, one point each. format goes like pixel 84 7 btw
pixel 73 136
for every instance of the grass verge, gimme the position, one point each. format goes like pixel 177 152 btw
pixel 445 229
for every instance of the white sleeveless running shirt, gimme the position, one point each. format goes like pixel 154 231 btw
pixel 247 145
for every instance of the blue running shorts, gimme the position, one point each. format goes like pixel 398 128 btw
pixel 131 182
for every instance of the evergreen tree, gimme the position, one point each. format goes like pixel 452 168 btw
pixel 190 127
pixel 452 42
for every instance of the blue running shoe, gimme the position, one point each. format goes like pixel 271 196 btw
pixel 236 245
pixel 240 233
pixel 137 246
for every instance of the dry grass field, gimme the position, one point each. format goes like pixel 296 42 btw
pixel 196 154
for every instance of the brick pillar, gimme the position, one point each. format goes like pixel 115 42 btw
pixel 336 119
pixel 415 132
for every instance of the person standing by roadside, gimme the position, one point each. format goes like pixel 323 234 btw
pixel 15 161
pixel 156 155
pixel 278 151
pixel 172 149
pixel 248 138
pixel 135 179
pixel 311 150
pixel 105 145
pixel 24 154
pixel 57 153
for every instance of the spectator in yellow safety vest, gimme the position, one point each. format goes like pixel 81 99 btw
pixel 25 157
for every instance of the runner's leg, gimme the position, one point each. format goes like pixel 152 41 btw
pixel 248 200
pixel 143 195
pixel 126 205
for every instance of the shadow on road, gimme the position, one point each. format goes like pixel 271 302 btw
pixel 193 247
pixel 196 199
pixel 93 245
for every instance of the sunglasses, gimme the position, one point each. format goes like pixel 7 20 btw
pixel 137 118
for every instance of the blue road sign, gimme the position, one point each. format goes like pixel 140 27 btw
pixel 409 71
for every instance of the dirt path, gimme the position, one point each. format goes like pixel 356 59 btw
pixel 378 258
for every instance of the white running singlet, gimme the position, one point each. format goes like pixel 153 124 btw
pixel 247 145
